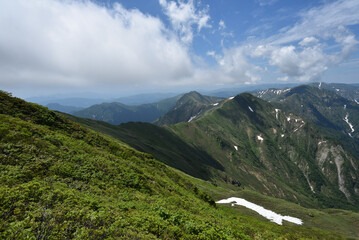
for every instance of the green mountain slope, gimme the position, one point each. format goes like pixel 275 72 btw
pixel 259 147
pixel 189 107
pixel 160 142
pixel 61 181
pixel 348 91
pixel 116 113
pixel 275 153
pixel 334 115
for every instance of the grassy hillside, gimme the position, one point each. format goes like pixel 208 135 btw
pixel 161 143
pixel 61 181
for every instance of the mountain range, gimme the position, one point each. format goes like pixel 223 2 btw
pixel 291 149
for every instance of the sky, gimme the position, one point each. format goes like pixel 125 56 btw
pixel 132 46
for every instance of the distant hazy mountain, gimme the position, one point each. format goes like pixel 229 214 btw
pixel 189 107
pixel 144 98
pixel 62 108
pixel 228 92
pixel 116 113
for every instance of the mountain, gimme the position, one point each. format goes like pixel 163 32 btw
pixel 139 99
pixel 116 113
pixel 257 146
pixel 337 116
pixel 189 107
pixel 62 108
pixel 348 91
pixel 228 92
pixel 62 181
pixel 80 102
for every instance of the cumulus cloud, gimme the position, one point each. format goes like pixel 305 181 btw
pixel 221 25
pixel 234 64
pixel 53 42
pixel 310 59
pixel 183 16
pixel 305 64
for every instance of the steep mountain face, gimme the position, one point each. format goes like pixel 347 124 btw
pixel 348 91
pixel 275 152
pixel 189 107
pixel 61 181
pixel 116 113
pixel 336 116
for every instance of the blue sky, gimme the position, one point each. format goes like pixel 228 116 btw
pixel 55 46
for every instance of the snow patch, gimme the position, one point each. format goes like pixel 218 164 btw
pixel 337 90
pixel 191 118
pixel 288 119
pixel 236 147
pixel 215 104
pixel 276 113
pixel 320 84
pixel 356 101
pixel 282 135
pixel 272 216
pixel 230 98
pixel 346 119
pixel 250 109
pixel 260 138
pixel 345 106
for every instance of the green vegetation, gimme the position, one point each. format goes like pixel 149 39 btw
pixel 59 180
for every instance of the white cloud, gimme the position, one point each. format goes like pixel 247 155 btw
pixel 234 64
pixel 52 42
pixel 307 41
pixel 301 64
pixel 315 27
pixel 266 2
pixel 221 25
pixel 323 21
pixel 183 16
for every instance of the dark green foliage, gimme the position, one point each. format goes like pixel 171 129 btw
pixel 61 181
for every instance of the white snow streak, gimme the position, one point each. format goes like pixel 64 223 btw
pixel 250 109
pixel 320 84
pixel 260 138
pixel 356 101
pixel 193 117
pixel 345 106
pixel 230 98
pixel 347 121
pixel 272 216
pixel 276 113
pixel 215 104
pixel 282 135
pixel 235 147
